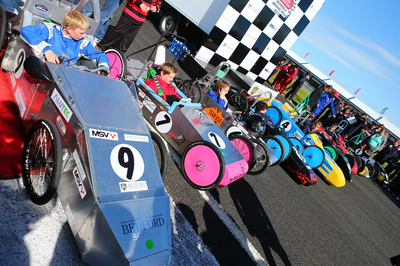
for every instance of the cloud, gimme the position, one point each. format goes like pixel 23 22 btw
pixel 355 52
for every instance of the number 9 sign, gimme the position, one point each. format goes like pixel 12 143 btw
pixel 127 162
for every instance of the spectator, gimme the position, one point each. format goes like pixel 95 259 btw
pixel 282 73
pixel 325 100
pixel 280 64
pixel 129 24
pixel 317 93
pixel 356 127
pixel 303 78
pixel 387 153
pixel 287 79
pixel 309 128
pixel 106 14
pixel 373 142
pixel 328 118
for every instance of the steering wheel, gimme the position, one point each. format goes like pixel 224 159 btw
pixel 102 69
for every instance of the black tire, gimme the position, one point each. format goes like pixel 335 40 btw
pixel 297 144
pixel 161 153
pixel 333 151
pixel 191 90
pixel 351 159
pixel 361 168
pixel 34 159
pixel 373 172
pixel 3 23
pixel 122 59
pixel 220 160
pixel 249 144
pixel 280 144
pixel 168 22
pixel 261 158
pixel 239 102
pixel 274 116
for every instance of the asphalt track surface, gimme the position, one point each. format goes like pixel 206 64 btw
pixel 286 223
pixel 272 220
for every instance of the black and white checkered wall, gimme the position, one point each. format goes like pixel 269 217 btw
pixel 253 35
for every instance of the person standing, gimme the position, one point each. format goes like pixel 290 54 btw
pixel 129 24
pixel 282 74
pixel 317 93
pixel 325 100
pixel 106 14
pixel 387 153
pixel 303 78
pixel 277 68
pixel 287 79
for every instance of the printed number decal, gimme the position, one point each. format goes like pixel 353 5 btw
pixel 358 151
pixel 18 63
pixel 127 162
pixel 286 125
pixel 216 140
pixel 163 122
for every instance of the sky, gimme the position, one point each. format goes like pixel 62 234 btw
pixel 360 40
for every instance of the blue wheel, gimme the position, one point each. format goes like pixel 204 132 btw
pixel 287 145
pixel 314 156
pixel 274 116
pixel 297 144
pixel 275 147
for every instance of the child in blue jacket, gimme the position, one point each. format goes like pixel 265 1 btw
pixel 218 93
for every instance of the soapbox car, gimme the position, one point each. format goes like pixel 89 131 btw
pixel 325 166
pixel 87 141
pixel 208 158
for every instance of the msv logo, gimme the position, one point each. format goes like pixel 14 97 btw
pixel 101 134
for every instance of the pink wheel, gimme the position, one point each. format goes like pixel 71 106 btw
pixel 117 63
pixel 245 147
pixel 203 166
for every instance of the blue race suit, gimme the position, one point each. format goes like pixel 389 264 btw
pixel 49 36
pixel 323 102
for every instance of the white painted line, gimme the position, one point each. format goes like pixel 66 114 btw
pixel 236 232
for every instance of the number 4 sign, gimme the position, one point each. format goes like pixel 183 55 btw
pixel 286 125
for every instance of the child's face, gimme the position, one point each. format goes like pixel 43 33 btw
pixel 316 127
pixel 263 111
pixel 76 34
pixel 223 91
pixel 167 77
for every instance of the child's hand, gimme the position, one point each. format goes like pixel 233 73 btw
pixel 153 9
pixel 51 57
pixel 144 8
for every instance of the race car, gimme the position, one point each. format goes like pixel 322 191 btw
pixel 84 144
pixel 328 170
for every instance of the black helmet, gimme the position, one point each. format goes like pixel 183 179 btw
pixel 255 123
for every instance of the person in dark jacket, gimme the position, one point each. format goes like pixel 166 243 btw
pixel 328 118
pixel 297 85
pixel 325 100
pixel 387 153
pixel 316 95
pixel 129 24
pixel 351 130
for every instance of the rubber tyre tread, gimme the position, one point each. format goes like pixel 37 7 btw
pixel 266 165
pixel 243 104
pixel 3 24
pixel 174 17
pixel 351 159
pixel 268 137
pixel 279 115
pixel 246 139
pixel 183 87
pixel 362 166
pixel 57 153
pixel 373 172
pixel 122 57
pixel 220 159
pixel 163 152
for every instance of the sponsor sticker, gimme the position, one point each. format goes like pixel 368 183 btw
pixel 136 138
pixel 79 165
pixel 60 125
pixel 298 135
pixel 133 186
pixel 79 182
pixel 70 216
pixel 149 104
pixel 141 93
pixel 61 105
pixel 102 134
